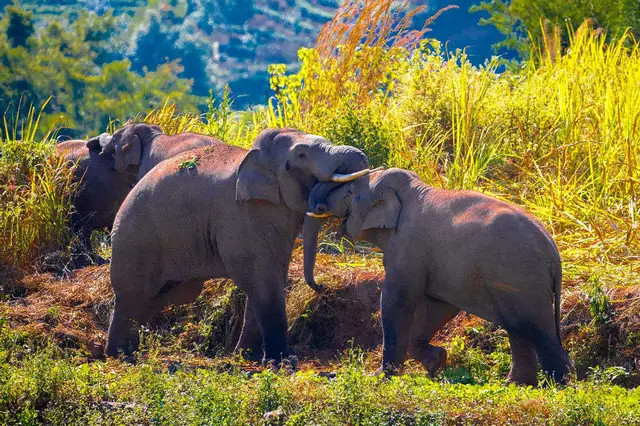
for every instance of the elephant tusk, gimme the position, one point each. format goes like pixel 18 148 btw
pixel 319 215
pixel 353 176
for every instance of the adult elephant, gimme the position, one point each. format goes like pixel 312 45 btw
pixel 451 250
pixel 101 189
pixel 234 213
pixel 139 147
pixel 108 167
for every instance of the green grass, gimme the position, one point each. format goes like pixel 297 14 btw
pixel 47 386
pixel 36 190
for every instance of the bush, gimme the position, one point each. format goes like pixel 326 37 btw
pixel 36 193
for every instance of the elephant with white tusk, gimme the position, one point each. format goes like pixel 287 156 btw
pixel 452 250
pixel 235 214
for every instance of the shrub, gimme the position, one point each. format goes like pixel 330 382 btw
pixel 36 193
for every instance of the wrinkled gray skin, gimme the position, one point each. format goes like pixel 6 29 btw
pixel 139 147
pixel 101 190
pixel 108 170
pixel 451 250
pixel 235 215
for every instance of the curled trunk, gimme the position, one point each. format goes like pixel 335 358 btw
pixel 310 230
pixel 317 212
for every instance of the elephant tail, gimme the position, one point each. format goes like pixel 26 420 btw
pixel 557 290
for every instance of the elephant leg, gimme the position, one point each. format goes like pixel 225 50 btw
pixel 534 321
pixel 264 286
pixel 270 312
pixel 430 315
pixel 173 293
pixel 128 315
pixel 250 341
pixel 552 356
pixel 398 302
pixel 123 334
pixel 524 366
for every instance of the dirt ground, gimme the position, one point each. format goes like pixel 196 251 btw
pixel 74 313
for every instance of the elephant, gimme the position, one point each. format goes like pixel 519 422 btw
pixel 446 251
pixel 106 181
pixel 139 147
pixel 236 213
pixel 100 192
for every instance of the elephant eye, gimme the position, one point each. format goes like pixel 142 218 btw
pixel 302 156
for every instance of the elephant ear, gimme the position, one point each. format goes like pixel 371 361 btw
pixel 132 151
pixel 255 182
pixel 384 210
pixel 98 142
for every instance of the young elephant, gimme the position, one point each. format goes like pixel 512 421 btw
pixel 235 213
pixel 451 250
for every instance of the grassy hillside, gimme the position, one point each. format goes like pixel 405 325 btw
pixel 559 137
pixel 235 40
pixel 245 36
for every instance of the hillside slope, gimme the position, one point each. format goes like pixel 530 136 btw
pixel 232 42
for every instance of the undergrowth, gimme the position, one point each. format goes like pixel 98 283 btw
pixel 50 386
pixel 36 190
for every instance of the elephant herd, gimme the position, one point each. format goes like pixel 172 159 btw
pixel 236 213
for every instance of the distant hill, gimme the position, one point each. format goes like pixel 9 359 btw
pixel 233 41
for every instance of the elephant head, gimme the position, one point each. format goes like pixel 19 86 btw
pixel 128 144
pixel 97 142
pixel 283 166
pixel 369 205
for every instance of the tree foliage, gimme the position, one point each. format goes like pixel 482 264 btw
pixel 526 22
pixel 19 26
pixel 76 63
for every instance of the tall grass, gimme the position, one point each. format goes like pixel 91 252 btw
pixel 219 121
pixel 36 189
pixel 560 136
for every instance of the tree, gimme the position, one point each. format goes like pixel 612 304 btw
pixel 522 21
pixel 89 84
pixel 19 25
pixel 158 41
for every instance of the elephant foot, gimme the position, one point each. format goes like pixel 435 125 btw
pixel 288 364
pixel 387 370
pixel 249 346
pixel 249 354
pixel 522 378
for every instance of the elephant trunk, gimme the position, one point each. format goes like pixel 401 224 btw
pixel 342 161
pixel 317 212
pixel 310 229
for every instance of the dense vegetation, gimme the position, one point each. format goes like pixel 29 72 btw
pixel 559 136
pixel 526 22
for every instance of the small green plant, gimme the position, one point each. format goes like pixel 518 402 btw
pixel 52 315
pixel 269 398
pixel 219 117
pixel 599 303
pixel 190 164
